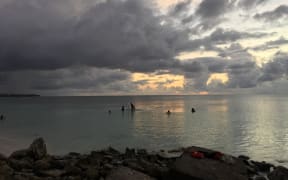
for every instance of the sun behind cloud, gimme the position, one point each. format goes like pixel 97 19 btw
pixel 156 81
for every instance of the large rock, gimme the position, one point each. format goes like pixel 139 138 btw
pixel 43 164
pixel 38 149
pixel 189 168
pixel 6 172
pixel 124 173
pixel 280 173
pixel 19 165
pixel 20 154
pixel 3 157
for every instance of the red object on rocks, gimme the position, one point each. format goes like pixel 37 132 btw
pixel 197 155
pixel 218 155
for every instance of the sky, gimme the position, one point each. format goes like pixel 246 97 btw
pixel 142 47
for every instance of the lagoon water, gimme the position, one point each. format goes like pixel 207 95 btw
pixel 254 125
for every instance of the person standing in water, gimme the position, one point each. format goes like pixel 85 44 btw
pixel 193 110
pixel 132 107
pixel 123 108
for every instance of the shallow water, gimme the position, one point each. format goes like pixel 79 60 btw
pixel 254 125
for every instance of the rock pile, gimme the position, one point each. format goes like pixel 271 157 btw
pixel 34 163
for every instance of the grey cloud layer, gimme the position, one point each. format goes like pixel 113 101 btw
pixel 278 13
pixel 112 34
pixel 71 45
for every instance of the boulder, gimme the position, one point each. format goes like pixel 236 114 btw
pixel 92 173
pixel 20 154
pixel 38 149
pixel 21 164
pixel 3 157
pixel 124 173
pixel 6 172
pixel 187 168
pixel 279 173
pixel 43 164
pixel 51 173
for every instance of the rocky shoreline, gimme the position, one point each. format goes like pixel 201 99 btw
pixel 192 163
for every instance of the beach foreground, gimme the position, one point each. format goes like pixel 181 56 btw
pixel 195 163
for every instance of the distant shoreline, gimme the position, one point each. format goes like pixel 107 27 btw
pixel 19 95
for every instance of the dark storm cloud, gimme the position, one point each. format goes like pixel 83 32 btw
pixel 278 13
pixel 80 78
pixel 275 69
pixel 279 41
pixel 224 36
pixel 271 44
pixel 248 4
pixel 112 34
pixel 213 8
pixel 180 8
pixel 240 67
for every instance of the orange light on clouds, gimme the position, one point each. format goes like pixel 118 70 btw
pixel 154 81
pixel 222 77
pixel 203 93
pixel 166 3
pixel 196 54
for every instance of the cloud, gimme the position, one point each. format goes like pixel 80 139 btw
pixel 213 8
pixel 180 8
pixel 80 79
pixel 223 36
pixel 278 13
pixel 248 4
pixel 271 44
pixel 111 34
pixel 275 69
pixel 89 46
pixel 238 64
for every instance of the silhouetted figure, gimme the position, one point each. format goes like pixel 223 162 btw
pixel 2 117
pixel 193 110
pixel 168 112
pixel 109 111
pixel 123 108
pixel 132 107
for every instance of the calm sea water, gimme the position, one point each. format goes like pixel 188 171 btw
pixel 254 125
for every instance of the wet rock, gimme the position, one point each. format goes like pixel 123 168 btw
pixel 38 149
pixel 20 154
pixel 142 152
pixel 153 169
pixel 92 173
pixel 279 173
pixel 43 164
pixel 58 164
pixel 6 171
pixel 20 164
pixel 26 176
pixel 3 157
pixel 262 166
pixel 51 173
pixel 72 171
pixel 187 167
pixel 243 157
pixel 124 173
pixel 133 164
pixel 130 153
pixel 112 151
pixel 259 178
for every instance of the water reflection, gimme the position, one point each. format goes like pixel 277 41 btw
pixel 251 125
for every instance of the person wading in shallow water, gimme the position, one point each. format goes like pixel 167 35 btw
pixel 168 112
pixel 193 110
pixel 132 107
